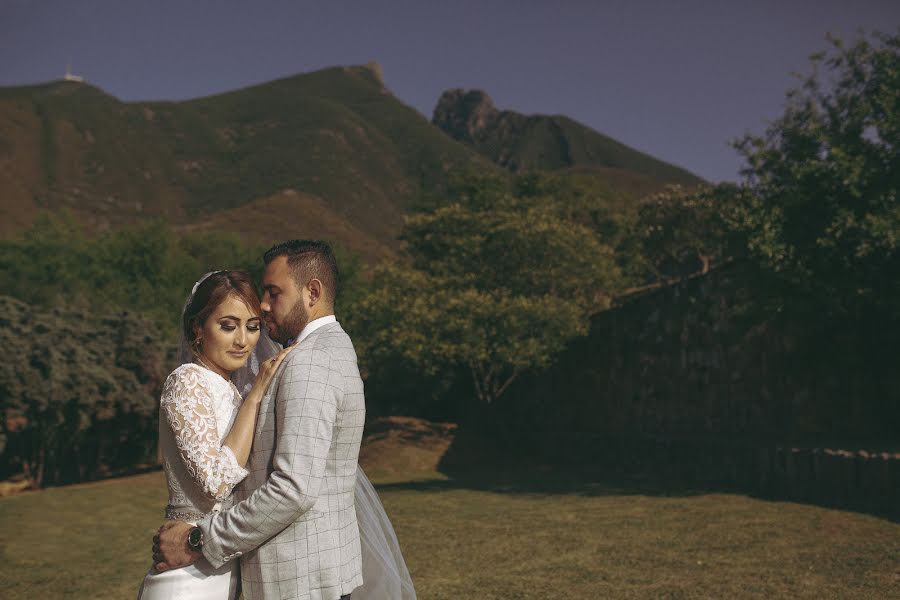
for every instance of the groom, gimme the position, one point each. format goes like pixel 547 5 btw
pixel 293 522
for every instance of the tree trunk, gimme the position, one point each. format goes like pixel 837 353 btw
pixel 40 467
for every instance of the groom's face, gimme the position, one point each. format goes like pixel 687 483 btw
pixel 284 311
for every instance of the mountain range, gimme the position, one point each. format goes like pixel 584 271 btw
pixel 330 154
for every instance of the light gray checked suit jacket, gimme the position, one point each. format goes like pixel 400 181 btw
pixel 293 523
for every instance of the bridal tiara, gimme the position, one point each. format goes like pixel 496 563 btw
pixel 201 280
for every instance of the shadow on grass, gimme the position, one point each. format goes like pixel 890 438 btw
pixel 541 480
pixel 476 463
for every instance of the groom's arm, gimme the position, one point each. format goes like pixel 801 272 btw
pixel 305 410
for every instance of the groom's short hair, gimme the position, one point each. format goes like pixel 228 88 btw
pixel 308 259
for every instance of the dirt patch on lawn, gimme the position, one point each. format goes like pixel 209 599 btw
pixel 393 445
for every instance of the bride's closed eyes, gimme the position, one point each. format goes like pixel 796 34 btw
pixel 231 323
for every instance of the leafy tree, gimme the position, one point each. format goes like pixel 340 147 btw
pixel 494 284
pixel 824 212
pixel 684 231
pixel 435 326
pixel 78 391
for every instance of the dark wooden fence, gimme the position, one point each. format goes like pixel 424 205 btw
pixel 694 384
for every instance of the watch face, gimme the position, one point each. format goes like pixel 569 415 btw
pixel 195 537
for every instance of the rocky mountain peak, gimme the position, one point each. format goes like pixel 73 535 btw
pixel 464 114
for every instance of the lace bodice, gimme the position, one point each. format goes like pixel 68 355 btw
pixel 197 409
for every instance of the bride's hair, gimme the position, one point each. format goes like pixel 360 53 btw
pixel 210 293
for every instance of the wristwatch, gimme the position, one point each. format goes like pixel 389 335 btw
pixel 195 539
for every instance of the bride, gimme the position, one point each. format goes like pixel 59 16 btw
pixel 208 414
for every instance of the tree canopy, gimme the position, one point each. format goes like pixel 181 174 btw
pixel 684 231
pixel 823 179
pixel 493 282
pixel 79 390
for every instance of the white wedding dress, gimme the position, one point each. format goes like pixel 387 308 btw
pixel 197 409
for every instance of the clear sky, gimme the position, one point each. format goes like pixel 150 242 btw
pixel 678 79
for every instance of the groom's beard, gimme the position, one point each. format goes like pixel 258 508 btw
pixel 291 327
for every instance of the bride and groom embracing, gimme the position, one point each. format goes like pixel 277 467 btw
pixel 260 447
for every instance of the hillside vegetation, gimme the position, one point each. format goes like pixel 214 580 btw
pixel 337 136
pixel 330 153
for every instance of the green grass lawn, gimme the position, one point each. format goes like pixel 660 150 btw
pixel 518 539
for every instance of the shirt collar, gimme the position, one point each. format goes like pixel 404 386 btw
pixel 312 326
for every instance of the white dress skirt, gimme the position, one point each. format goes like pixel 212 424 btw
pixel 199 581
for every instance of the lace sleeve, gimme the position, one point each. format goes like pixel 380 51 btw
pixel 187 403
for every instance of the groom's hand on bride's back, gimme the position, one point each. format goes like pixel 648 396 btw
pixel 170 547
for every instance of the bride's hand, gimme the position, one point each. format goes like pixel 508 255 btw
pixel 240 438
pixel 267 370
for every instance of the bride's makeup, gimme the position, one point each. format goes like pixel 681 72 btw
pixel 228 336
